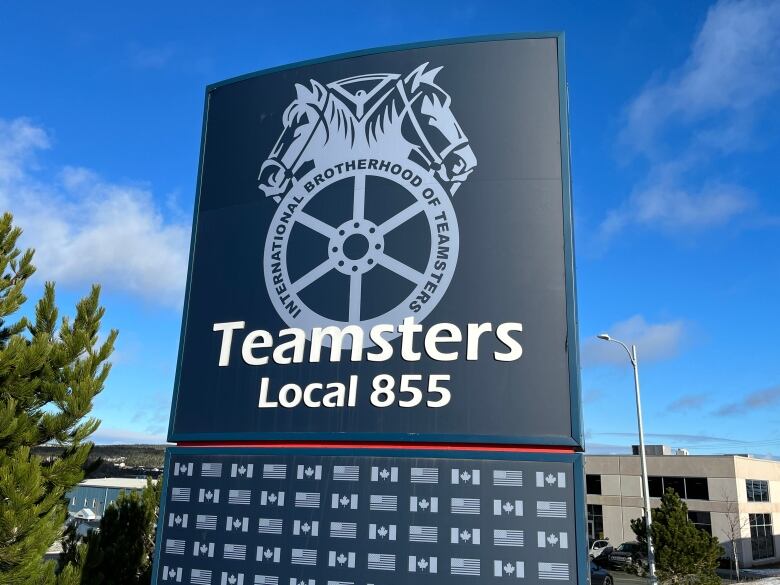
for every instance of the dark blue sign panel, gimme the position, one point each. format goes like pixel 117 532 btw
pixel 284 517
pixel 382 251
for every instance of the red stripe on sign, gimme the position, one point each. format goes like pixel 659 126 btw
pixel 396 446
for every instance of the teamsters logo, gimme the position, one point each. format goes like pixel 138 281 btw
pixel 359 134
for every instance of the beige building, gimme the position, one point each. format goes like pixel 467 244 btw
pixel 721 491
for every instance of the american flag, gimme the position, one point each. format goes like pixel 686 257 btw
pixel 274 471
pixel 341 583
pixel 307 500
pixel 502 537
pixel 464 566
pixel 232 579
pixel 383 503
pixel 266 580
pixel 514 569
pixel 507 478
pixel 423 564
pixel 241 470
pixel 550 509
pixel 270 526
pixel 204 549
pixel 211 470
pixel 200 577
pixel 174 547
pixel 304 556
pixel 180 494
pixel 554 571
pixel 464 505
pixel 237 552
pixel 268 554
pixel 203 522
pixel 423 534
pixel 381 562
pixel 425 475
pixel 241 497
pixel 343 530
pixel 346 473
pixel 465 476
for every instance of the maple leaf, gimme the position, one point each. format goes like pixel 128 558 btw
pixel 177 519
pixel 344 500
pixel 172 572
pixel 236 522
pixel 423 564
pixel 272 498
pixel 423 504
pixel 268 554
pixel 509 569
pixel 203 548
pixel 242 470
pixel 550 478
pixel 382 532
pixel 552 539
pixel 465 476
pixel 309 471
pixel 232 579
pixel 384 474
pixel 465 535
pixel 209 495
pixel 305 527
pixel 341 559
pixel 508 507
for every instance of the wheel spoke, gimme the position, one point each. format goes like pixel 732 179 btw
pixel 355 292
pixel 401 269
pixel 399 218
pixel 312 276
pixel 359 208
pixel 315 224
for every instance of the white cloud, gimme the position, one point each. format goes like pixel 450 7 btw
pixel 686 122
pixel 654 341
pixel 108 436
pixel 86 229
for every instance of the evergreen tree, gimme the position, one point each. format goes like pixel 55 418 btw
pixel 683 553
pixel 50 372
pixel 120 552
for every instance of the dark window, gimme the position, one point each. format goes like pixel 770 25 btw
pixel 761 539
pixel 593 484
pixel 656 486
pixel 675 483
pixel 595 521
pixel 702 521
pixel 757 490
pixel 696 488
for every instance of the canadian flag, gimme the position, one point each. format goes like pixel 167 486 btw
pixel 236 523
pixel 232 579
pixel 509 569
pixel 172 574
pixel 552 539
pixel 204 549
pixel 182 469
pixel 423 564
pixel 466 476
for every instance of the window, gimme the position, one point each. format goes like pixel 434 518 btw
pixel 761 540
pixel 702 521
pixel 690 488
pixel 593 484
pixel 595 521
pixel 757 490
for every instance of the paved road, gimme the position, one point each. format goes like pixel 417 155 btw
pixel 622 578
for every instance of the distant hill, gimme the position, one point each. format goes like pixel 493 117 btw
pixel 119 460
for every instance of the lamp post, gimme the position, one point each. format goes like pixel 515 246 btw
pixel 645 487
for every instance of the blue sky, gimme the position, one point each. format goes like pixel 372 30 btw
pixel 675 148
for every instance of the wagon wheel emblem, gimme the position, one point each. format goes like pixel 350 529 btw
pixel 362 250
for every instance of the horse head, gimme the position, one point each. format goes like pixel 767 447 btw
pixel 433 129
pixel 303 128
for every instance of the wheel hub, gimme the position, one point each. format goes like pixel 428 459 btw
pixel 356 247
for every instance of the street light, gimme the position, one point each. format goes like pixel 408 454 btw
pixel 645 488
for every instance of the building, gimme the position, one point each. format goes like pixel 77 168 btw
pixel 88 500
pixel 721 491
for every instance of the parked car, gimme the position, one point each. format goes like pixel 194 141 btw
pixel 599 575
pixel 627 554
pixel 598 547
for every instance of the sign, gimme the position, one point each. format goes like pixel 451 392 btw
pixel 290 517
pixel 382 251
